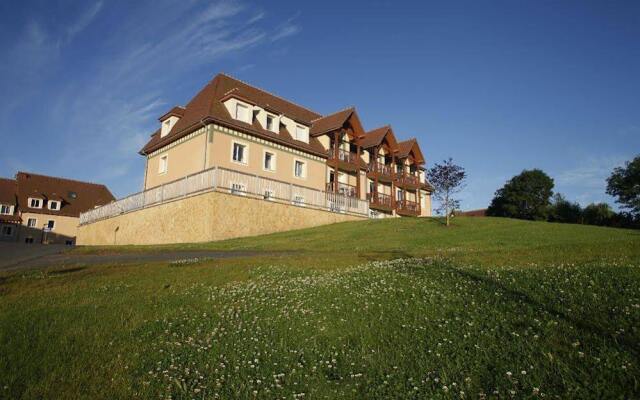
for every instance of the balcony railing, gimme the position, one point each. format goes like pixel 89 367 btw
pixel 344 156
pixel 381 168
pixel 408 179
pixel 233 182
pixel 343 189
pixel 380 199
pixel 407 206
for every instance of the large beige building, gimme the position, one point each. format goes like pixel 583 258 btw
pixel 44 209
pixel 235 126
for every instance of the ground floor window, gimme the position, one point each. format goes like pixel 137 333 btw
pixel 7 230
pixel 298 200
pixel 69 242
pixel 238 188
pixel 28 240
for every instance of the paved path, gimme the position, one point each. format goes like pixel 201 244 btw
pixel 41 258
pixel 15 253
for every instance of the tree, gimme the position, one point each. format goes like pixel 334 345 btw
pixel 447 179
pixel 562 210
pixel 598 214
pixel 525 196
pixel 624 183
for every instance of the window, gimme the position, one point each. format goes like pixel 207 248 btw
pixel 242 112
pixel 238 188
pixel 28 240
pixel 400 196
pixel 399 168
pixel 163 165
pixel 271 123
pixel 301 133
pixel 32 222
pixel 7 230
pixel 35 203
pixel 299 169
pixel 4 209
pixel 54 205
pixel 51 224
pixel 372 187
pixel 268 194
pixel 239 153
pixel 72 195
pixel 269 161
pixel 68 242
pixel 298 200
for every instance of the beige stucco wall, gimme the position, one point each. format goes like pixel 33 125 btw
pixel 204 217
pixel 183 159
pixel 213 147
pixel 65 228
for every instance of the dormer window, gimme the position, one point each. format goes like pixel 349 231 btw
pixel 272 123
pixel 35 203
pixel 54 205
pixel 302 133
pixel 5 209
pixel 242 112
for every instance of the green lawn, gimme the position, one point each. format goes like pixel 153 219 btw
pixel 490 308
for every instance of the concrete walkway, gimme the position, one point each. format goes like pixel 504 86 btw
pixel 46 256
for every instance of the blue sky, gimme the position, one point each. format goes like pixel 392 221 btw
pixel 500 86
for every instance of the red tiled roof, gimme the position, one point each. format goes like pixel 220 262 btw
pixel 8 190
pixel 330 122
pixel 207 107
pixel 87 195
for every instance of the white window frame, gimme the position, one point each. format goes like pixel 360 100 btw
pixel 39 200
pixel 163 164
pixel 304 168
pixel 238 188
pixel 35 222
pixel 54 224
pixel 245 152
pixel 56 202
pixel 7 207
pixel 273 160
pixel 304 131
pixel 246 107
pixel 274 125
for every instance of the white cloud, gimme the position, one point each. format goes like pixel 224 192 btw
pixel 288 28
pixel 104 116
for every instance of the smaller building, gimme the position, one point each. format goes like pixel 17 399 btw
pixel 44 209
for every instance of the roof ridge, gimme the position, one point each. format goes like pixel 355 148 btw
pixel 62 179
pixel 269 93
pixel 334 113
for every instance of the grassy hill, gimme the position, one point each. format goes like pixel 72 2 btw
pixel 491 308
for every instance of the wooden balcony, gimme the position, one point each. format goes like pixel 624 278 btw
pixel 407 208
pixel 380 201
pixel 343 189
pixel 384 172
pixel 408 181
pixel 347 160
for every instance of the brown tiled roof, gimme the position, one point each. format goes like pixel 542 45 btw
pixel 207 107
pixel 330 122
pixel 87 195
pixel 8 191
pixel 12 219
pixel 405 148
pixel 376 136
pixel 177 111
